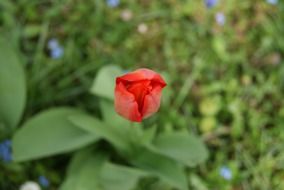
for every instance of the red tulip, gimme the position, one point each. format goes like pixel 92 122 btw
pixel 138 94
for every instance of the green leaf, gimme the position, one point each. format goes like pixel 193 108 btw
pixel 97 127
pixel 197 182
pixel 90 171
pixel 159 165
pixel 49 133
pixel 182 147
pixel 84 171
pixel 116 177
pixel 119 124
pixel 149 134
pixel 12 85
pixel 104 82
pixel 155 163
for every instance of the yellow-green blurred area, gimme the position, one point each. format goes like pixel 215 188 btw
pixel 222 61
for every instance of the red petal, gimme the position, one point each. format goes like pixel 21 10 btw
pixel 141 74
pixel 125 104
pixel 139 90
pixel 152 102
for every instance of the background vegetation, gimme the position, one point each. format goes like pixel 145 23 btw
pixel 223 61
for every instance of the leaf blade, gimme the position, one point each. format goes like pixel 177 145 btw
pixel 182 147
pixel 161 166
pixel 95 126
pixel 49 133
pixel 12 89
pixel 84 171
pixel 104 82
pixel 113 177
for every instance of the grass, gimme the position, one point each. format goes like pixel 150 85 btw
pixel 226 81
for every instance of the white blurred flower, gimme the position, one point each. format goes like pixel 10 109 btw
pixel 126 15
pixel 272 2
pixel 142 28
pixel 220 18
pixel 30 185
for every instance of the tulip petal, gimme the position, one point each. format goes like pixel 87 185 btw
pixel 125 104
pixel 139 90
pixel 141 74
pixel 152 102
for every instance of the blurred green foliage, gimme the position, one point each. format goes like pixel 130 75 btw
pixel 225 84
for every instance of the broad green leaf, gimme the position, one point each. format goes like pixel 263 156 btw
pixel 155 163
pixel 84 171
pixel 120 136
pixel 97 127
pixel 159 165
pixel 78 159
pixel 149 134
pixel 49 133
pixel 104 82
pixel 182 147
pixel 116 177
pixel 197 183
pixel 90 171
pixel 12 85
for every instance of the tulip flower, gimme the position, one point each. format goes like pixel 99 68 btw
pixel 138 94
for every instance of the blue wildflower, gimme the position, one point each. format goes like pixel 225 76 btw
pixel 210 3
pixel 226 173
pixel 112 3
pixel 6 150
pixel 272 2
pixel 43 181
pixel 220 18
pixel 52 43
pixel 56 51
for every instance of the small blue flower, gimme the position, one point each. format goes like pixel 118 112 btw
pixel 226 173
pixel 211 3
pixel 272 2
pixel 6 151
pixel 57 52
pixel 43 181
pixel 52 43
pixel 220 18
pixel 112 3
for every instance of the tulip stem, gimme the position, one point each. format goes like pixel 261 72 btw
pixel 135 131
